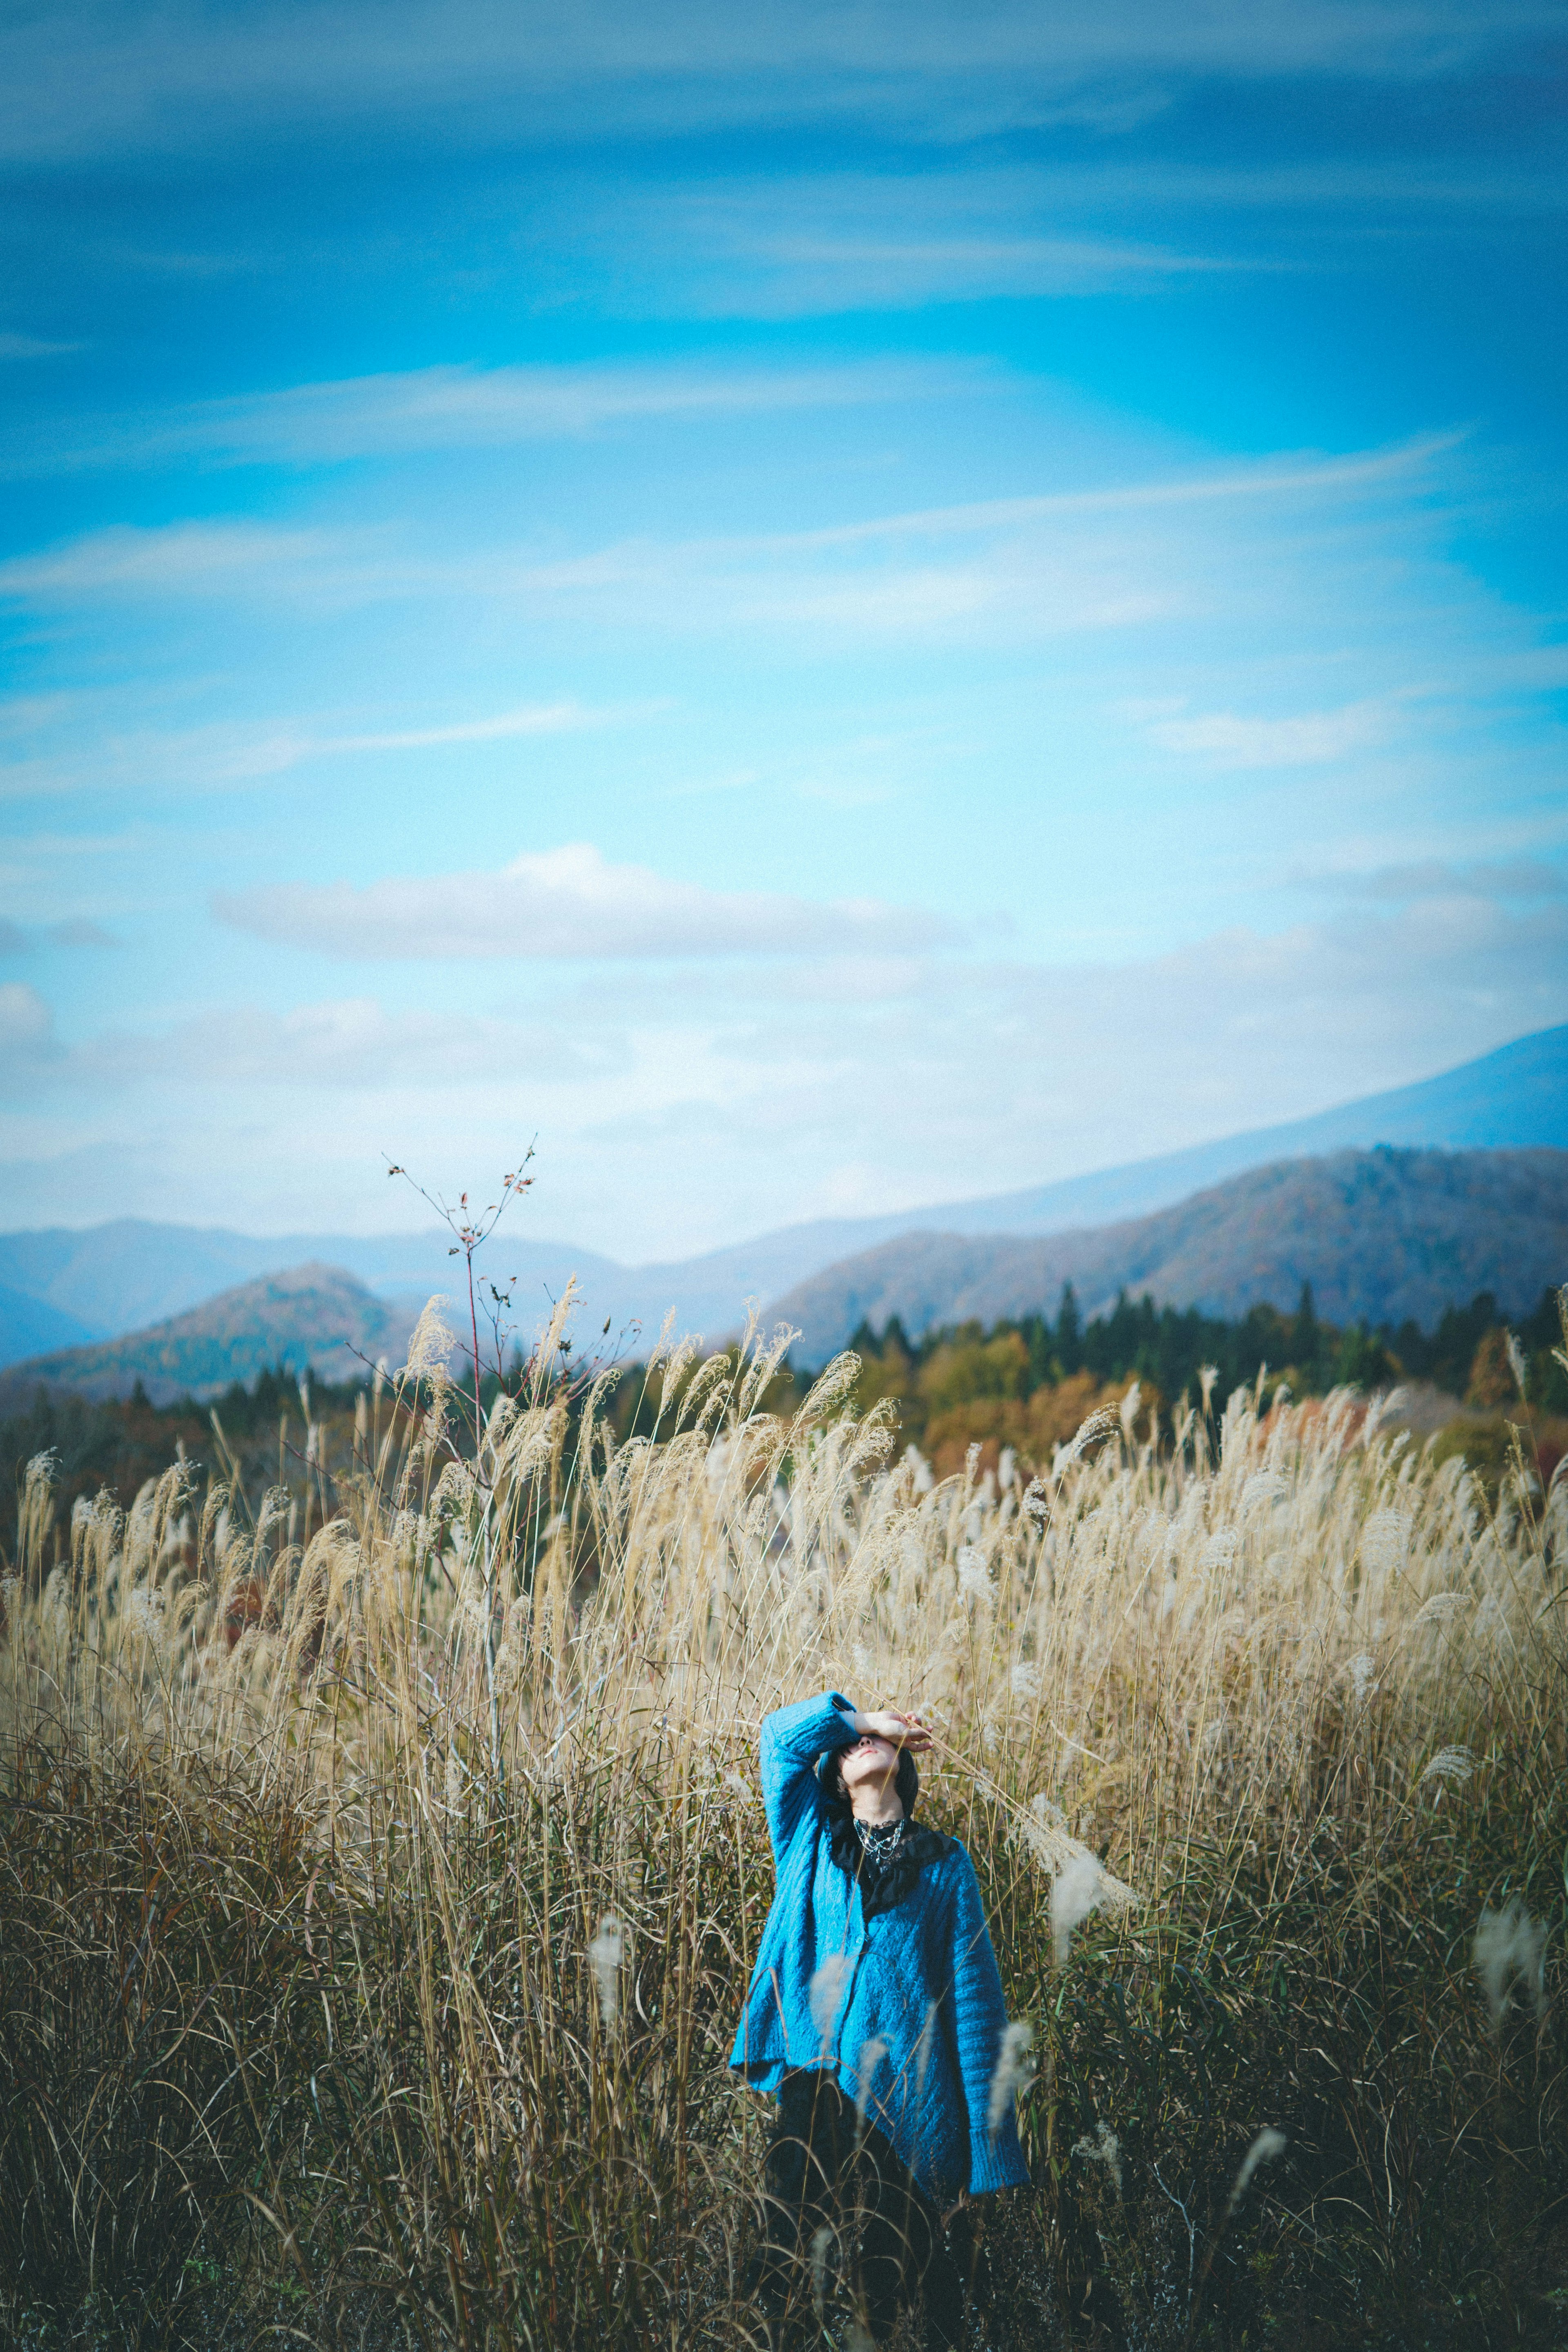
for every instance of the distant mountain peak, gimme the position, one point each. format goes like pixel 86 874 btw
pixel 315 1314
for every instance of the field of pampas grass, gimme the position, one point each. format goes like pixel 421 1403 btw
pixel 376 1908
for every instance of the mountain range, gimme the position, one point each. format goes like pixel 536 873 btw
pixel 315 1315
pixel 63 1287
pixel 1382 1236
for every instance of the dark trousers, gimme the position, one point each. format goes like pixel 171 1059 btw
pixel 836 2197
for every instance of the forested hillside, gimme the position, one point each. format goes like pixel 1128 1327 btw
pixel 1382 1236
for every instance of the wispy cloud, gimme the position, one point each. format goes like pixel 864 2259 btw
pixel 138 757
pixel 1314 739
pixel 89 81
pixel 345 1042
pixel 543 719
pixel 33 347
pixel 194 559
pixel 568 902
pixel 1496 882
pixel 770 1095
pixel 457 407
pixel 342 566
pixel 26 1024
pixel 814 246
pixel 1307 474
pixel 73 931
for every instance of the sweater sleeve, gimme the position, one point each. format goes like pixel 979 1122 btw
pixel 793 1738
pixel 979 2020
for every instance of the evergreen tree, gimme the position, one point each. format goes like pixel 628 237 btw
pixel 1069 1331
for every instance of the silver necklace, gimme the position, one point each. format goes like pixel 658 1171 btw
pixel 881 1840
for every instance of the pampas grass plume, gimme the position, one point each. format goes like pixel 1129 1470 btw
pixel 606 1953
pixel 827 1989
pixel 1509 1949
pixel 1269 2143
pixel 872 2054
pixel 1014 2073
pixel 1103 2149
pixel 1075 1891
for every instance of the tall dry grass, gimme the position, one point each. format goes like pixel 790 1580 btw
pixel 374 1912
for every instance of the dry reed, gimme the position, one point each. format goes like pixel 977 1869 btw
pixel 376 1908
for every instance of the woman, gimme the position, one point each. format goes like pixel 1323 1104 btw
pixel 875 2012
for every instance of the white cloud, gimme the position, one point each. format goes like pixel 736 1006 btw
pixel 1283 476
pixel 347 1043
pixel 1314 739
pixel 465 407
pixel 896 1082
pixel 27 1022
pixel 811 246
pixel 195 559
pixel 69 932
pixel 567 902
pixel 1108 558
pixel 534 718
pixel 88 81
pixel 130 756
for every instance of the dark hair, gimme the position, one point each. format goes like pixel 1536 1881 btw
pixel 906 1781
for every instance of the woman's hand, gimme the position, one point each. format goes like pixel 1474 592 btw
pixel 897 1731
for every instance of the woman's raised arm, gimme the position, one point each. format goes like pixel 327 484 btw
pixel 793 1738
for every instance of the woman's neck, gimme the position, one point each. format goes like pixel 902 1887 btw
pixel 876 1805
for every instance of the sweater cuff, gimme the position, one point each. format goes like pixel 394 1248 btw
pixel 841 1725
pixel 812 1725
pixel 997 2164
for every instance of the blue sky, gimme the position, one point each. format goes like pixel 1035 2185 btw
pixel 823 611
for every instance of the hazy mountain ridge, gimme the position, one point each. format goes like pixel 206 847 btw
pixel 1382 1236
pixel 1514 1099
pixel 30 1326
pixel 314 1315
pixel 119 1277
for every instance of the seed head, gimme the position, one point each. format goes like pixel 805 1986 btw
pixel 604 1956
pixel 1450 1764
pixel 924 2047
pixel 1268 2144
pixel 828 1990
pixel 1014 2072
pixel 1509 1949
pixel 973 1579
pixel 1103 2149
pixel 821 2244
pixel 871 2056
pixel 1075 1891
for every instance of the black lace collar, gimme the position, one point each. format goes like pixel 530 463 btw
pixel 882 1885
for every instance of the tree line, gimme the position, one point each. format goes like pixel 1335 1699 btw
pixel 1026 1382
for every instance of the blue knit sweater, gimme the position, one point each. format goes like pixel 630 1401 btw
pixel 921 1979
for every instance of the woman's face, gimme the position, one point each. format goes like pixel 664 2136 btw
pixel 870 1760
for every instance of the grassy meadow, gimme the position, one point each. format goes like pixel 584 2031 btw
pixel 380 1882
